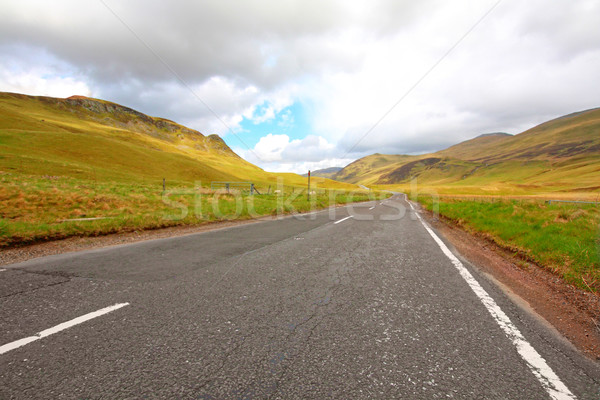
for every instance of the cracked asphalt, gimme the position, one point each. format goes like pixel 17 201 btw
pixel 288 309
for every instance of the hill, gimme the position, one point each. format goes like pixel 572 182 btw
pixel 324 173
pixel 94 139
pixel 368 169
pixel 559 155
pixel 86 167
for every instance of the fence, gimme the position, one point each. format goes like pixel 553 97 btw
pixel 571 201
pixel 234 186
pixel 520 199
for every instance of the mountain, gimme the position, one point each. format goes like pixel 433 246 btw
pixel 368 169
pixel 563 153
pixel 95 139
pixel 324 173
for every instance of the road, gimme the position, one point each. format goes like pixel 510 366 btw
pixel 324 306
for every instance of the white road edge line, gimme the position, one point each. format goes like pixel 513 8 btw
pixel 2 270
pixel 372 208
pixel 60 327
pixel 342 220
pixel 542 371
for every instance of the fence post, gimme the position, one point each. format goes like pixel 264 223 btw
pixel 227 186
pixel 309 185
pixel 252 189
pixel 164 184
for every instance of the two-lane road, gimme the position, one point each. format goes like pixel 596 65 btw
pixel 323 306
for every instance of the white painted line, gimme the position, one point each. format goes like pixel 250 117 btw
pixel 342 220
pixel 372 208
pixel 542 371
pixel 60 327
pixel 2 270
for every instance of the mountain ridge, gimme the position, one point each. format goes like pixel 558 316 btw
pixel 562 152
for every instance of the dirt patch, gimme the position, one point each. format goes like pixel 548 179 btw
pixel 573 312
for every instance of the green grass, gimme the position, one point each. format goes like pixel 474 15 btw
pixel 34 208
pixel 563 237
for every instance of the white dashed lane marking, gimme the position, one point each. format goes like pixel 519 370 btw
pixel 60 327
pixel 343 219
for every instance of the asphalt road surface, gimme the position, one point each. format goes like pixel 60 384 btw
pixel 324 306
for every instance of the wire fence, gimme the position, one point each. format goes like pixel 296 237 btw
pixel 517 199
pixel 233 187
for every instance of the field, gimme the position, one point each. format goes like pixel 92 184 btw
pixel 563 237
pixel 38 208
pixel 82 166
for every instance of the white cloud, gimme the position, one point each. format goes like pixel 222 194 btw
pixel 278 153
pixel 305 166
pixel 270 148
pixel 41 84
pixel 24 73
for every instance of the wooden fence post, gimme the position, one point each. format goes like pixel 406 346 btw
pixel 308 184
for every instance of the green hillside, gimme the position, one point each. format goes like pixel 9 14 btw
pixel 88 138
pixel 324 173
pixel 562 155
pixel 98 140
pixel 368 170
pixel 82 166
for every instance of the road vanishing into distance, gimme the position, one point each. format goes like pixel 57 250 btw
pixel 356 302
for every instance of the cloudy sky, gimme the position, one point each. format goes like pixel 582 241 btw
pixel 307 84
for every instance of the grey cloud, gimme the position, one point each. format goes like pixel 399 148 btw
pixel 197 39
pixel 528 61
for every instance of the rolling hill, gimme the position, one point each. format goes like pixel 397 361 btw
pixel 559 155
pixel 98 140
pixel 324 173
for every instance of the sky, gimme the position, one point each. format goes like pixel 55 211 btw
pixel 298 85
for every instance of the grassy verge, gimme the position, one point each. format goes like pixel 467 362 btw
pixel 34 208
pixel 560 236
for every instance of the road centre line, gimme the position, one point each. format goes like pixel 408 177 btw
pixel 60 327
pixel 343 219
pixel 538 366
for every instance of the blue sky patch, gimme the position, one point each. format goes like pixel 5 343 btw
pixel 291 121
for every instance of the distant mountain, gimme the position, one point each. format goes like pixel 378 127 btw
pixel 561 153
pixel 96 139
pixel 325 172
pixel 494 134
